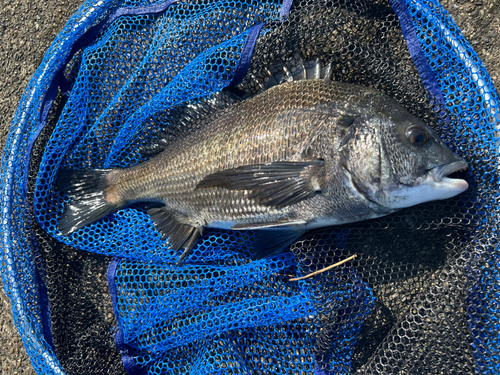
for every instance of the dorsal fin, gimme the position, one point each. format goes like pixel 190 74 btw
pixel 192 116
pixel 187 118
pixel 294 69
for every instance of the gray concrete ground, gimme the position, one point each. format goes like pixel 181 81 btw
pixel 28 27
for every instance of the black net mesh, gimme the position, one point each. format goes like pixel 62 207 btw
pixel 82 322
pixel 417 299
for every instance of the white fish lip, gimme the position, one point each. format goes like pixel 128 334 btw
pixel 432 186
pixel 439 175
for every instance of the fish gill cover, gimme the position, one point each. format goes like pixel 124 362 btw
pixel 421 295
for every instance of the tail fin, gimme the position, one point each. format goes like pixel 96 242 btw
pixel 88 200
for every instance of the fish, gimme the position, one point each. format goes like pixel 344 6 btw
pixel 300 155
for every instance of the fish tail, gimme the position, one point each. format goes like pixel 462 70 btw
pixel 89 194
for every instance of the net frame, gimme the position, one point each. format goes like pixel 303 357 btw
pixel 19 251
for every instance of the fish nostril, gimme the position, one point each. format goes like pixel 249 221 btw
pixel 346 121
pixel 347 136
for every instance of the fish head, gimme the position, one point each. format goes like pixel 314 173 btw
pixel 398 161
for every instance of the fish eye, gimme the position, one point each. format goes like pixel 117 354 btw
pixel 416 135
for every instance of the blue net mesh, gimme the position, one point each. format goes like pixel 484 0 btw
pixel 422 294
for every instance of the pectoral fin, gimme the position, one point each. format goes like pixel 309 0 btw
pixel 277 184
pixel 179 235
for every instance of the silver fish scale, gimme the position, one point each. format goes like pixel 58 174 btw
pixel 277 125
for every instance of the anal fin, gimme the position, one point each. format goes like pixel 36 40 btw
pixel 189 244
pixel 180 235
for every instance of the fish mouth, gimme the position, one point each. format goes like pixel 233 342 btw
pixel 441 173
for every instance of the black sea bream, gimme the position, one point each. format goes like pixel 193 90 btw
pixel 301 155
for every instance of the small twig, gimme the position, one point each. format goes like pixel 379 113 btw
pixel 324 269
